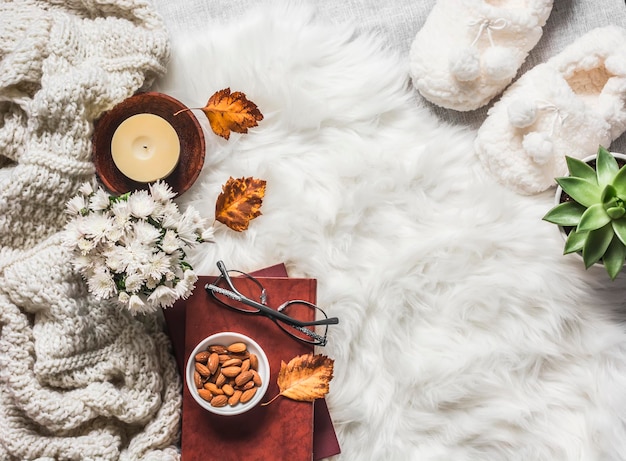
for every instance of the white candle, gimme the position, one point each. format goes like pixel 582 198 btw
pixel 145 148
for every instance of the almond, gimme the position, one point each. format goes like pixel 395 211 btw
pixel 214 376
pixel 237 348
pixel 234 399
pixel 203 370
pixel 213 388
pixel 247 395
pixel 256 378
pixel 249 385
pixel 240 355
pixel 218 349
pixel 220 380
pixel 205 394
pixel 224 357
pixel 230 372
pixel 228 389
pixel 219 401
pixel 245 365
pixel 232 363
pixel 243 378
pixel 197 379
pixel 254 362
pixel 213 362
pixel 202 357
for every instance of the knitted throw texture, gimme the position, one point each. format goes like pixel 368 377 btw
pixel 79 379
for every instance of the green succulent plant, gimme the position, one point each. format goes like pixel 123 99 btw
pixel 596 213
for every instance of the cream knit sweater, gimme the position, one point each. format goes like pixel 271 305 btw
pixel 79 380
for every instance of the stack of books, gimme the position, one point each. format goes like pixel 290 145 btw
pixel 284 429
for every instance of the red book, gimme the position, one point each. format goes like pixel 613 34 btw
pixel 281 430
pixel 325 443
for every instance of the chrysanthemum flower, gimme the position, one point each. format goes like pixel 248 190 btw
pixel 141 204
pixel 145 233
pixel 163 296
pixel 76 205
pixel 136 305
pixel 161 192
pixel 99 200
pixel 133 247
pixel 101 284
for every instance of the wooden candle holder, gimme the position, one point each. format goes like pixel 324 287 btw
pixel 192 144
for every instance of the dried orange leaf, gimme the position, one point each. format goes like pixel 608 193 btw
pixel 305 378
pixel 228 112
pixel 240 202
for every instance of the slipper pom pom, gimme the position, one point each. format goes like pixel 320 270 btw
pixel 522 112
pixel 538 146
pixel 465 64
pixel 499 63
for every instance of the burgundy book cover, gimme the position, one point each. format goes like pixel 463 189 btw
pixel 281 430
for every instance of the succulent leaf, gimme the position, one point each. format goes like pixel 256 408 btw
pixel 579 169
pixel 606 167
pixel 619 182
pixel 575 241
pixel 593 218
pixel 565 214
pixel 609 194
pixel 614 257
pixel 616 212
pixel 613 205
pixel 596 244
pixel 619 227
pixel 584 192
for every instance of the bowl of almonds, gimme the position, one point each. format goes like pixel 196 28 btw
pixel 227 373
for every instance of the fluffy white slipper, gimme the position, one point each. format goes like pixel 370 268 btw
pixel 468 51
pixel 568 105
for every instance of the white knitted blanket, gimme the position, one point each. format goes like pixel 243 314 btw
pixel 78 379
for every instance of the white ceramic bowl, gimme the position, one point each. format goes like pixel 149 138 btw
pixel 225 338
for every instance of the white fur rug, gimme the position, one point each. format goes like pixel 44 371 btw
pixel 465 334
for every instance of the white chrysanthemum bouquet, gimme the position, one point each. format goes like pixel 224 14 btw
pixel 133 247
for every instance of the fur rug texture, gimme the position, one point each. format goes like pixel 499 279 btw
pixel 464 332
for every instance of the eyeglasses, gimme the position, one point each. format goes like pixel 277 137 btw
pixel 249 290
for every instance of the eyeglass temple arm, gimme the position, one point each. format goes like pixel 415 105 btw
pixel 326 321
pixel 270 312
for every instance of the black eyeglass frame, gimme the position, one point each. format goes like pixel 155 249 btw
pixel 263 309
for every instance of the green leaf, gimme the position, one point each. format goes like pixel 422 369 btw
pixel 596 244
pixel 614 257
pixel 575 241
pixel 565 214
pixel 619 227
pixel 584 192
pixel 609 193
pixel 619 182
pixel 579 169
pixel 606 166
pixel 594 218
pixel 616 212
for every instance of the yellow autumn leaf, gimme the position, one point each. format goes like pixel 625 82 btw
pixel 305 378
pixel 228 112
pixel 239 202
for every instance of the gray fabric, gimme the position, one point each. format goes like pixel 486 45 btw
pixel 397 22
